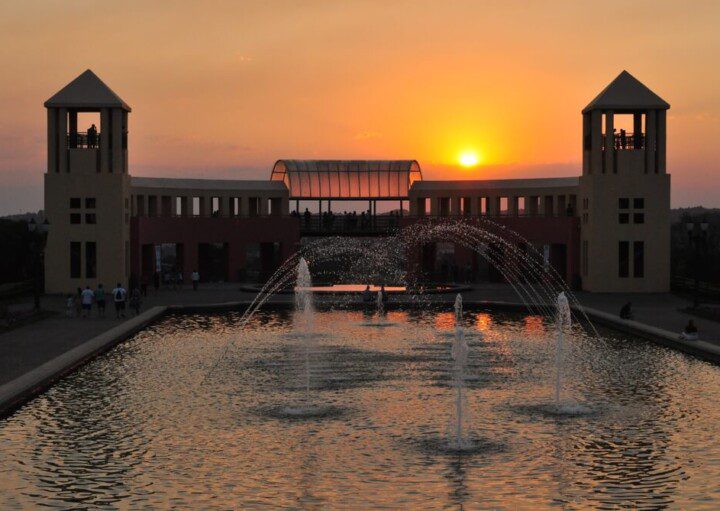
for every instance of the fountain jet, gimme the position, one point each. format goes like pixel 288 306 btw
pixel 459 354
pixel 304 306
pixel 563 322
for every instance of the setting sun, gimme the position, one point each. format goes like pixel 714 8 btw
pixel 469 159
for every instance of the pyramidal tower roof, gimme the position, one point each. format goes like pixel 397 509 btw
pixel 627 93
pixel 86 91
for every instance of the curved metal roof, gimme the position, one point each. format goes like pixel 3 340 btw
pixel 347 179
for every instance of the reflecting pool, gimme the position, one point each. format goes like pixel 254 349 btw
pixel 147 426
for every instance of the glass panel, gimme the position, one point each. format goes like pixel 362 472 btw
pixel 367 184
pixel 334 183
pixel 344 182
pixel 314 185
pixel 325 184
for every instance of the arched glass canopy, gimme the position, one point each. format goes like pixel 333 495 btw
pixel 347 179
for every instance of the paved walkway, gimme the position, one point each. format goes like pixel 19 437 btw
pixel 27 347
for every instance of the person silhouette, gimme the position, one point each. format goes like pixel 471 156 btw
pixel 92 136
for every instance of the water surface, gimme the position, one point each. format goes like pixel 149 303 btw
pixel 137 428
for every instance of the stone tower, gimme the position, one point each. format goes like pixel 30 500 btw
pixel 625 191
pixel 87 188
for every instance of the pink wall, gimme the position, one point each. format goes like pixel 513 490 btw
pixel 537 230
pixel 236 232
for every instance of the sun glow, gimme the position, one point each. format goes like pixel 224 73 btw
pixel 469 159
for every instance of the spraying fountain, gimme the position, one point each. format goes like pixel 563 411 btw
pixel 305 310
pixel 459 354
pixel 304 306
pixel 563 322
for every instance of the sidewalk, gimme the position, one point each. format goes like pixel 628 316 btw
pixel 28 347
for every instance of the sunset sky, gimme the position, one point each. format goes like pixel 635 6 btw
pixel 223 89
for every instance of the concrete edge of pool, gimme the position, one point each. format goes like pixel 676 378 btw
pixel 19 391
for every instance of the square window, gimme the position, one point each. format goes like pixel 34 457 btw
pixel 75 203
pixel 75 218
pixel 90 218
pixel 624 218
pixel 639 218
pixel 639 203
pixel 90 202
pixel 624 203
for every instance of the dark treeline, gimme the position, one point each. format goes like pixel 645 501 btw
pixel 20 251
pixel 704 257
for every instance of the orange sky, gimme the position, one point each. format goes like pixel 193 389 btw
pixel 223 89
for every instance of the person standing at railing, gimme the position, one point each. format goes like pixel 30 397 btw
pixel 623 139
pixel 308 217
pixel 92 136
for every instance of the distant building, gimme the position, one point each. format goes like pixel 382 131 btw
pixel 605 231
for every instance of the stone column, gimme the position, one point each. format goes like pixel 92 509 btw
pixel 52 140
pixel 596 141
pixel 62 140
pixel 474 206
pixel 513 203
pixel 661 136
pixel 117 164
pixel 493 206
pixel 530 205
pixel 72 128
pixel 123 135
pixel 610 142
pixel 105 140
pixel 637 127
pixel 455 206
pixel 650 142
pixel 434 207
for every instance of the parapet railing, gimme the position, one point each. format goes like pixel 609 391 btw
pixel 624 141
pixel 503 214
pixel 83 140
pixel 355 222
pixel 215 214
pixel 90 140
pixel 347 223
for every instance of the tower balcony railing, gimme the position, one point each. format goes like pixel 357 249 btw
pixel 624 141
pixel 83 140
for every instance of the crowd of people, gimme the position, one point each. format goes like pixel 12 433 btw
pixel 347 221
pixel 81 304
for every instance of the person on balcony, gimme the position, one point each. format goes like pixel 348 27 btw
pixel 623 139
pixel 92 136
